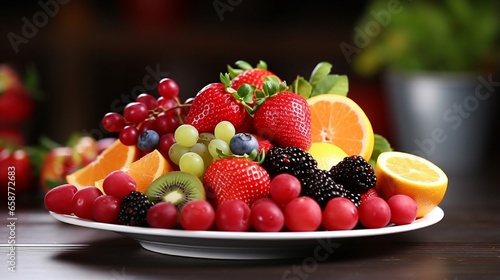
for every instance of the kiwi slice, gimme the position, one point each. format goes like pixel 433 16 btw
pixel 176 187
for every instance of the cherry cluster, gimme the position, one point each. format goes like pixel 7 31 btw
pixel 148 114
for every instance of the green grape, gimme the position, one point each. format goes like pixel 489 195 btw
pixel 186 135
pixel 202 150
pixel 192 163
pixel 176 151
pixel 218 144
pixel 225 131
pixel 205 138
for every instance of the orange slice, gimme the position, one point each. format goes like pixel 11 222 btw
pixel 404 173
pixel 145 170
pixel 339 120
pixel 114 157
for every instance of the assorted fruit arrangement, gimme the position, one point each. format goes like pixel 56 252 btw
pixel 250 153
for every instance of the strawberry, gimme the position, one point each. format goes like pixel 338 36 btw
pixel 246 74
pixel 372 192
pixel 283 117
pixel 236 179
pixel 264 144
pixel 214 104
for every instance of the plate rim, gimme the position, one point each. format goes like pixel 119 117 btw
pixel 433 217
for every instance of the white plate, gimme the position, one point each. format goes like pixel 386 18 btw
pixel 245 245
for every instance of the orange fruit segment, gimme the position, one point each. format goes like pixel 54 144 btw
pixel 339 120
pixel 145 170
pixel 404 173
pixel 114 157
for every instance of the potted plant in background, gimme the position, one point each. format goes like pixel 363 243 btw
pixel 439 63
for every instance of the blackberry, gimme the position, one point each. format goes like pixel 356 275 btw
pixel 354 173
pixel 321 187
pixel 135 207
pixel 355 197
pixel 291 160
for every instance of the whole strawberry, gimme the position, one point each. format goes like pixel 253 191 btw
pixel 283 117
pixel 246 74
pixel 236 179
pixel 214 104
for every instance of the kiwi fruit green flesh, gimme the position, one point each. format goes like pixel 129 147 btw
pixel 176 187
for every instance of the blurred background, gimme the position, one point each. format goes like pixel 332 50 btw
pixel 92 57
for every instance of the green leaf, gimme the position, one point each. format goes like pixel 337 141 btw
pixel 319 72
pixel 262 65
pixel 381 145
pixel 243 65
pixel 302 87
pixel 332 84
pixel 245 92
pixel 225 79
pixel 233 72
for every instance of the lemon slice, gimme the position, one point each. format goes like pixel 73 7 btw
pixel 412 175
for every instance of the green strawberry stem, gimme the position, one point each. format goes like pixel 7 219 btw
pixel 255 156
pixel 243 66
pixel 245 94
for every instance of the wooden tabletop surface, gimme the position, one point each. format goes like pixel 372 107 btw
pixel 464 245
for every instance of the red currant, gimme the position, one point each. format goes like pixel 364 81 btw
pixel 233 215
pixel 166 103
pixel 303 214
pixel 129 135
pixel 340 214
pixel 162 215
pixel 82 202
pixel 135 112
pixel 374 213
pixel 105 209
pixel 113 122
pixel 58 199
pixel 118 184
pixel 166 141
pixel 267 217
pixel 148 100
pixel 197 215
pixel 403 209
pixel 284 187
pixel 168 88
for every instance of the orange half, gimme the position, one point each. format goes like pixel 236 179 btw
pixel 114 157
pixel 145 170
pixel 339 120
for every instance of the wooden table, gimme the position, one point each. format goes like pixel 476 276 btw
pixel 464 245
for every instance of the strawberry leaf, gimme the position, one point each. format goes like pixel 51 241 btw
pixel 233 72
pixel 225 79
pixel 245 93
pixel 320 72
pixel 262 65
pixel 332 84
pixel 243 65
pixel 302 87
pixel 381 145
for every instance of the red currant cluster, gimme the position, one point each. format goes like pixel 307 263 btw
pixel 150 122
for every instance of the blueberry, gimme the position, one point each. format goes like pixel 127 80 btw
pixel 243 143
pixel 148 140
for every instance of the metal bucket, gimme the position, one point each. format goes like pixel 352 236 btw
pixel 445 117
